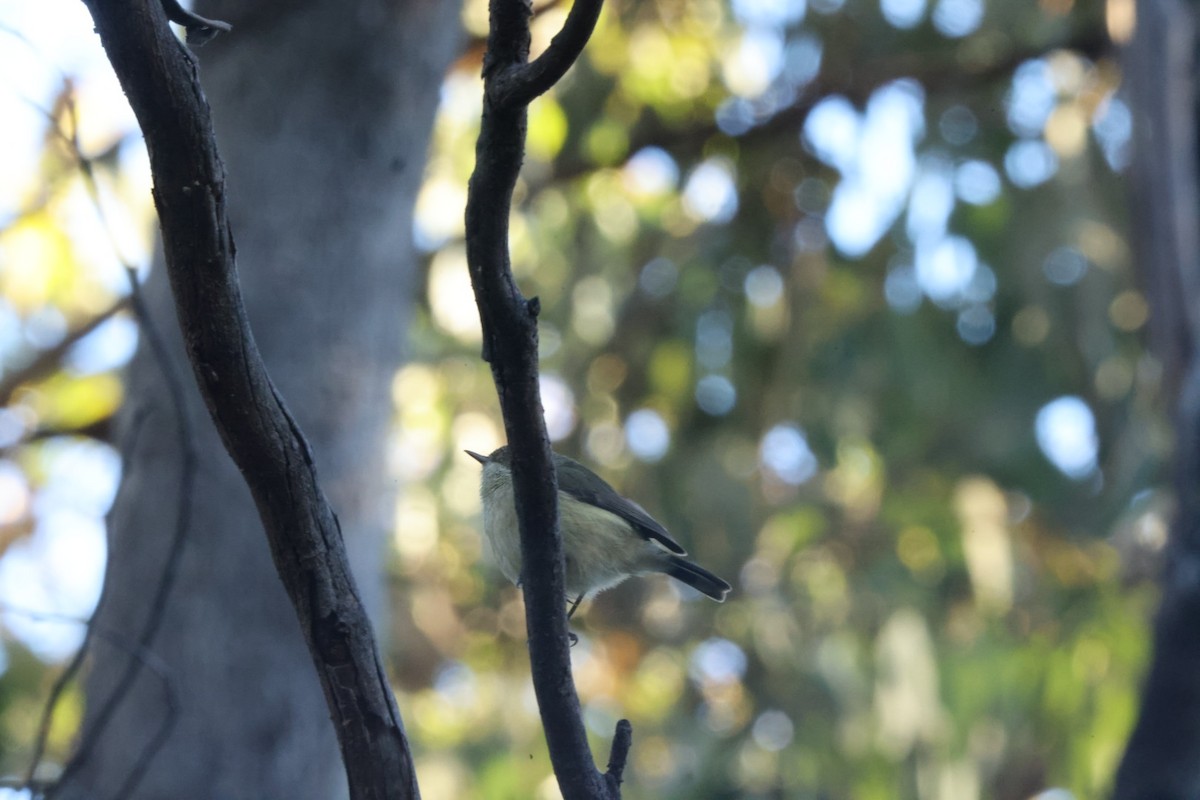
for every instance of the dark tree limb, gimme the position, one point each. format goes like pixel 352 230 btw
pixel 510 345
pixel 519 85
pixel 1162 758
pixel 160 79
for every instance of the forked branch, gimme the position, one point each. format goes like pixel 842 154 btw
pixel 510 346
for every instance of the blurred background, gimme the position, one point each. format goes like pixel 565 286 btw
pixel 841 291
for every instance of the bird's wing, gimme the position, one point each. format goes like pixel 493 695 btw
pixel 635 515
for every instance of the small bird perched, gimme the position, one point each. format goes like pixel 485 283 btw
pixel 606 537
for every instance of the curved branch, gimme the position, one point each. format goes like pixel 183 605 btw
pixel 520 84
pixel 510 345
pixel 160 79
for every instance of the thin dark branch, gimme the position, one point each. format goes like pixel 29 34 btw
pixel 188 458
pixel 47 361
pixel 520 84
pixel 56 692
pixel 146 757
pixel 72 668
pixel 160 79
pixel 137 653
pixel 475 47
pixel 509 323
pixel 99 429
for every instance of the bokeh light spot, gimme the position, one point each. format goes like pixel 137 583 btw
pixel 651 171
pixel 1030 162
pixel 658 277
pixel 945 268
pixel 647 435
pixel 558 402
pixel 718 661
pixel 1064 266
pixel 1128 310
pixel 976 325
pixel 710 194
pixel 715 395
pixel 901 288
pixel 769 12
pixel 977 182
pixel 1066 433
pixel 764 286
pixel 773 730
pixel 1031 98
pixel 785 452
pixel 958 125
pixel 957 18
pixel 714 339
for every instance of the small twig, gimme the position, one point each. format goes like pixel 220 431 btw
pixel 52 700
pixel 60 683
pixel 143 656
pixel 520 84
pixel 475 47
pixel 183 523
pixel 98 429
pixel 618 754
pixel 146 757
pixel 47 361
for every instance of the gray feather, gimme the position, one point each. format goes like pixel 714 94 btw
pixel 586 486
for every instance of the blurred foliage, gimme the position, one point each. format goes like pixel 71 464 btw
pixel 845 428
pixel 929 608
pixel 64 335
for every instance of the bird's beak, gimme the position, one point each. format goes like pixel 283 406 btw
pixel 477 457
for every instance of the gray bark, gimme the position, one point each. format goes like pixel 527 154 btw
pixel 1162 759
pixel 323 111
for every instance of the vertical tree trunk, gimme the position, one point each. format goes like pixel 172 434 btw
pixel 1163 756
pixel 323 111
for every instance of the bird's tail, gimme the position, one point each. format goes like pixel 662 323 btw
pixel 696 577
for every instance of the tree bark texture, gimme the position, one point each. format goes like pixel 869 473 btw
pixel 1162 759
pixel 323 111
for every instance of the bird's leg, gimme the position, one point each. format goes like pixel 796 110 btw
pixel 571 637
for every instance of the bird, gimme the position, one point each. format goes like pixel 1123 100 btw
pixel 606 537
